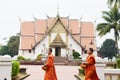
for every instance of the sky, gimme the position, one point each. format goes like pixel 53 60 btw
pixel 13 12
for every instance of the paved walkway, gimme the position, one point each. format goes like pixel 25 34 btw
pixel 63 72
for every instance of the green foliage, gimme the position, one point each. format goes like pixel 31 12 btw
pixel 81 72
pixel 112 19
pixel 15 68
pixel 13 45
pixel 118 63
pixel 21 58
pixel 76 55
pixel 4 50
pixel 11 48
pixel 108 48
pixel 114 3
pixel 39 57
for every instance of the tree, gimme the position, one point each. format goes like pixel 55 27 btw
pixel 114 2
pixel 13 45
pixel 11 48
pixel 108 49
pixel 112 19
pixel 4 50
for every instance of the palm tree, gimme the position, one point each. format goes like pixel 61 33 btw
pixel 112 19
pixel 114 2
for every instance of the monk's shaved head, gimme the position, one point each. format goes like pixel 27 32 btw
pixel 91 49
pixel 50 49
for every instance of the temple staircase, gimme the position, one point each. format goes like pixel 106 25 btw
pixel 58 60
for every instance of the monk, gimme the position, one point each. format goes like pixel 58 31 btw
pixel 89 66
pixel 49 68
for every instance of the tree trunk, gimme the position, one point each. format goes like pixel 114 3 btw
pixel 116 43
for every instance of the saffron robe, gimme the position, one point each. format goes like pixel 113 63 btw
pixel 89 67
pixel 50 73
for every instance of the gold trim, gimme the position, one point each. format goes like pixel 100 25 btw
pixel 49 39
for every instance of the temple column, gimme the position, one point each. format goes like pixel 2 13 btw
pixel 49 39
pixel 66 41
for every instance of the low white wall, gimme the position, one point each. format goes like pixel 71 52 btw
pixel 5 68
pixel 27 55
pixel 100 67
pixel 103 73
pixel 114 73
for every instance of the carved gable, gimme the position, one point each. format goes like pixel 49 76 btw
pixel 58 28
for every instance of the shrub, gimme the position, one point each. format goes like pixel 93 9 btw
pixel 39 57
pixel 21 58
pixel 81 72
pixel 15 68
pixel 118 63
pixel 76 55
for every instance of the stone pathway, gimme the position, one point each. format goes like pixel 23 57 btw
pixel 63 72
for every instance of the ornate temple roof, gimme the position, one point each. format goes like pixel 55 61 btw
pixel 58 42
pixel 33 32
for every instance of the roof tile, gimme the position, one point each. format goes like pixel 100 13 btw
pixel 27 42
pixel 41 26
pixel 74 26
pixel 27 28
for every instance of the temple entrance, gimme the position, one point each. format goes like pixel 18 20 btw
pixel 57 44
pixel 57 51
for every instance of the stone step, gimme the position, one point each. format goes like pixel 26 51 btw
pixel 59 63
pixel 59 59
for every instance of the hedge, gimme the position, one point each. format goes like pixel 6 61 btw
pixel 15 68
pixel 76 55
pixel 21 58
pixel 39 57
pixel 118 63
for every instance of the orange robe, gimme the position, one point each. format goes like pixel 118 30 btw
pixel 90 71
pixel 50 73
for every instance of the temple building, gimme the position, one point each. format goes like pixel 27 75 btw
pixel 62 34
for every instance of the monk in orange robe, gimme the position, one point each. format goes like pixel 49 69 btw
pixel 49 68
pixel 89 66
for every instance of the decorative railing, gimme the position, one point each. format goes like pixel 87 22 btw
pixel 113 74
